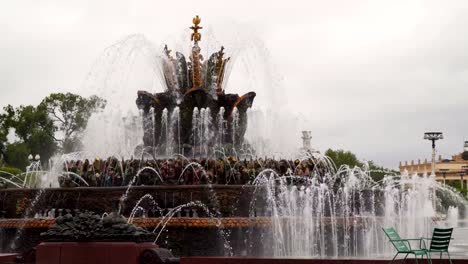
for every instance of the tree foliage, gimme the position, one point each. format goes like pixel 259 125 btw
pixel 55 124
pixel 17 154
pixel 34 131
pixel 341 157
pixel 70 114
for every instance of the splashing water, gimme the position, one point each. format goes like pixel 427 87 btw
pixel 235 125
pixel 132 182
pixel 135 63
pixel 137 206
pixel 334 212
pixel 342 214
pixel 173 143
pixel 162 224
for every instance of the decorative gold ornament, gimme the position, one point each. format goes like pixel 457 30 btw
pixel 196 58
pixel 196 36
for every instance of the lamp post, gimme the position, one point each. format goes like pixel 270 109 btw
pixel 433 136
pixel 33 167
pixel 34 158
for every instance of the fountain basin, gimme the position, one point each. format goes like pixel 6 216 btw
pixel 201 222
pixel 14 202
pixel 152 222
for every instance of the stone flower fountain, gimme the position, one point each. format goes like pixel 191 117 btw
pixel 193 114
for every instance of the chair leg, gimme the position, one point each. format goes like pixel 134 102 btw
pixel 428 258
pixel 450 259
pixel 416 258
pixel 404 260
pixel 394 257
pixel 440 255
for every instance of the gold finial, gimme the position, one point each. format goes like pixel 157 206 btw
pixel 196 36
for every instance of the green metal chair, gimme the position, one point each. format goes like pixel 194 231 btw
pixel 403 246
pixel 440 241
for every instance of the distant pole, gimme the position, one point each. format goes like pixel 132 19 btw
pixel 433 136
pixel 306 138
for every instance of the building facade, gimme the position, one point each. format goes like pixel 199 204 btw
pixel 455 168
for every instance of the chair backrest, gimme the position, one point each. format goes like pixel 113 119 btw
pixel 441 238
pixel 393 235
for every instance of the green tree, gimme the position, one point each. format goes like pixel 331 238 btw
pixel 3 141
pixel 56 122
pixel 34 130
pixel 5 124
pixel 70 114
pixel 341 157
pixel 379 172
pixel 17 155
pixel 6 119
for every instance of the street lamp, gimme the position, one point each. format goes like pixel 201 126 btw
pixel 32 158
pixel 433 136
pixel 33 167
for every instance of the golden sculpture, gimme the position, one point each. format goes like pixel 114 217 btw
pixel 196 36
pixel 196 60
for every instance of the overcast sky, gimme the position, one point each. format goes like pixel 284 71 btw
pixel 368 76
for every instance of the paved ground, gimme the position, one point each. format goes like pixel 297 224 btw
pixel 222 260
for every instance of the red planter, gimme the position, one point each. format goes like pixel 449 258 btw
pixel 90 252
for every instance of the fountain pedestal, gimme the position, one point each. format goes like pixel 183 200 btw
pixel 90 252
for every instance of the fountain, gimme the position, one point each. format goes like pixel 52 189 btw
pixel 192 187
pixel 186 114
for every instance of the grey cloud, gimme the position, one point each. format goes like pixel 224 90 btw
pixel 362 76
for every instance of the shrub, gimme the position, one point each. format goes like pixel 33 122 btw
pixel 5 173
pixel 12 170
